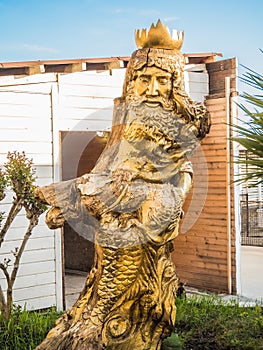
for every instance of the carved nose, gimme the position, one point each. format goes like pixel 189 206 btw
pixel 153 88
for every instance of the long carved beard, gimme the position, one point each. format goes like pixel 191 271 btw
pixel 165 121
pixel 164 127
pixel 158 130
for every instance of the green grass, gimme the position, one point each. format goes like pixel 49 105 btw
pixel 208 323
pixel 203 323
pixel 26 329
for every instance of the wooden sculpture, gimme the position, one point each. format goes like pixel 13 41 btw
pixel 133 197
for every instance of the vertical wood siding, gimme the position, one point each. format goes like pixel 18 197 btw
pixel 201 253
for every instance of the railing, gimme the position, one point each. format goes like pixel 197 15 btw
pixel 251 222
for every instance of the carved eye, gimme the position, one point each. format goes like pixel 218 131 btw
pixel 144 79
pixel 163 80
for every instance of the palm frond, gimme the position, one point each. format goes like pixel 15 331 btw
pixel 249 132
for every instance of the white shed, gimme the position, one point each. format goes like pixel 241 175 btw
pixel 40 104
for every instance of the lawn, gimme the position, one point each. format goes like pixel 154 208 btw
pixel 203 323
pixel 210 323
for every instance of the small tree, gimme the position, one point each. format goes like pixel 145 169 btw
pixel 250 132
pixel 18 176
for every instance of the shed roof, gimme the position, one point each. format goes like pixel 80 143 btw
pixel 81 64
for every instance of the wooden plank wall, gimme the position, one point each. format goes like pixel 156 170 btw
pixel 25 117
pixel 81 101
pixel 201 253
pixel 86 99
pixel 31 118
pixel 196 81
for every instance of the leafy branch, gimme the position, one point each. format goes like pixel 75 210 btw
pixel 18 176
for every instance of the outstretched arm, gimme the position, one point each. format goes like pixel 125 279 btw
pixel 64 199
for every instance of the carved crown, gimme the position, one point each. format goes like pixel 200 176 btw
pixel 159 37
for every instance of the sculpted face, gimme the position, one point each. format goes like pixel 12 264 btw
pixel 154 85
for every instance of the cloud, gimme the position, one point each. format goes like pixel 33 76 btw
pixel 171 19
pixel 129 10
pixel 29 48
pixel 149 12
pixel 38 48
pixel 122 10
pixel 119 10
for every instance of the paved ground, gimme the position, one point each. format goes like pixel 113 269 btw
pixel 243 301
pixel 75 282
pixel 251 260
pixel 73 286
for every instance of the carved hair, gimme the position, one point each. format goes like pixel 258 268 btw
pixel 172 61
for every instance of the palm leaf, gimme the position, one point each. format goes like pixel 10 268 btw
pixel 250 132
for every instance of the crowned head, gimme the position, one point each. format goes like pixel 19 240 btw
pixel 159 37
pixel 157 50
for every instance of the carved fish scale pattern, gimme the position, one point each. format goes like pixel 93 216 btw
pixel 120 269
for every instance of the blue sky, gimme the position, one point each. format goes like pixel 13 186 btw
pixel 63 29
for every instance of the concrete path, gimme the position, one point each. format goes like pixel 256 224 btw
pixel 74 284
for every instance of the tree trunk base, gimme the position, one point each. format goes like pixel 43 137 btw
pixel 121 311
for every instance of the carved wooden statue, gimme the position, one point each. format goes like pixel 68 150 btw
pixel 133 197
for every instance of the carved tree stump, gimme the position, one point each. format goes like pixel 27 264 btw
pixel 133 198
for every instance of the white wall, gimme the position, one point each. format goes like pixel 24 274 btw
pixel 196 81
pixel 33 111
pixel 25 117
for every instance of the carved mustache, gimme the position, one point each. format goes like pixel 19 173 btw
pixel 165 103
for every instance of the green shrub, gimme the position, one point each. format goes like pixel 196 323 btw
pixel 18 176
pixel 209 323
pixel 203 323
pixel 25 329
pixel 172 343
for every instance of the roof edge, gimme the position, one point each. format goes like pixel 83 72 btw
pixel 81 64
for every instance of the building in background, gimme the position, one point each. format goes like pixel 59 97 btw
pixel 60 112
